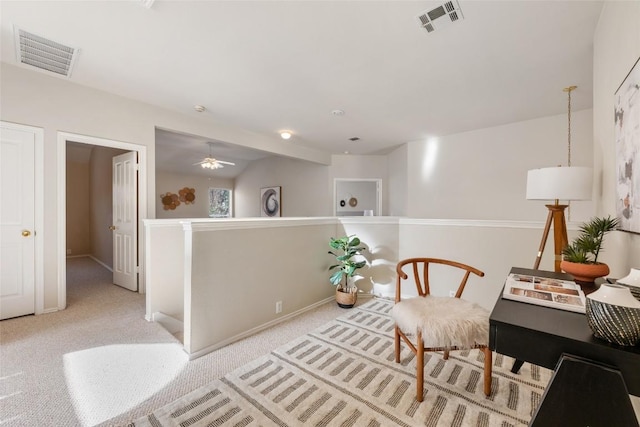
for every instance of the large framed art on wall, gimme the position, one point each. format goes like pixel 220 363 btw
pixel 627 134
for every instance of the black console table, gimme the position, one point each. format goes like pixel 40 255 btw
pixel 562 340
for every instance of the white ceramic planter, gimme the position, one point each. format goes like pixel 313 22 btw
pixel 632 279
pixel 614 295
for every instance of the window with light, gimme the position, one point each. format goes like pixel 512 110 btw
pixel 220 203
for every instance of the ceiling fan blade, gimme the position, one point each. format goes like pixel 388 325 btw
pixel 226 163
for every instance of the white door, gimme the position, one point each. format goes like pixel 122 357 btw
pixel 125 220
pixel 17 219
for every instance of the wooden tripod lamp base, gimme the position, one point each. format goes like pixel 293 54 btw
pixel 555 215
pixel 559 183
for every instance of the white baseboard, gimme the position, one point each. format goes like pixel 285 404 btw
pixel 101 263
pixel 257 329
pixel 93 258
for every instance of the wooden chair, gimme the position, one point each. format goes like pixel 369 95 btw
pixel 439 323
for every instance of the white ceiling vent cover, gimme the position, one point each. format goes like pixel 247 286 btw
pixel 44 54
pixel 441 16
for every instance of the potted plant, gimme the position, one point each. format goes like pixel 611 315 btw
pixel 345 249
pixel 580 258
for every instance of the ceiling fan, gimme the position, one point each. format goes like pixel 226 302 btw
pixel 213 163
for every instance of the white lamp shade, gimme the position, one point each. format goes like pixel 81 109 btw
pixel 560 183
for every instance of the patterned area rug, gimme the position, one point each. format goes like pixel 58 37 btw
pixel 344 374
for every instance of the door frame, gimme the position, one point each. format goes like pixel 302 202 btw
pixel 61 200
pixel 38 134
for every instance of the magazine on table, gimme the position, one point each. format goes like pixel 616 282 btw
pixel 554 293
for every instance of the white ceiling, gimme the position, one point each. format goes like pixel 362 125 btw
pixel 179 153
pixel 272 65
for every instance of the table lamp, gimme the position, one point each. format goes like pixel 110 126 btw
pixel 559 183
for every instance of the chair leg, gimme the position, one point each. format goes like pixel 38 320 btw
pixel 397 344
pixel 445 356
pixel 419 367
pixel 488 361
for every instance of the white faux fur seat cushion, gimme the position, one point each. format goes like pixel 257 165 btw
pixel 445 322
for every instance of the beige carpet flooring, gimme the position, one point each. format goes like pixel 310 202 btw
pixel 100 363
pixel 344 374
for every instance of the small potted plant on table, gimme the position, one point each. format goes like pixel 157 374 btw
pixel 580 258
pixel 345 249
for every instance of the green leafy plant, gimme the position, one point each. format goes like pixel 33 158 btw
pixel 587 246
pixel 345 249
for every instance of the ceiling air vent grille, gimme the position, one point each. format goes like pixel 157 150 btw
pixel 440 16
pixel 44 54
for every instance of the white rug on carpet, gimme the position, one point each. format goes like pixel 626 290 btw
pixel 344 374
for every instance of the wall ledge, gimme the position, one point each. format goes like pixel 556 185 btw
pixel 207 224
pixel 481 223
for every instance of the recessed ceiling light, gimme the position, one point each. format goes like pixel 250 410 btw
pixel 285 134
pixel 338 112
pixel 347 152
pixel 199 108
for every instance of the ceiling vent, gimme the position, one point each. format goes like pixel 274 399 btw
pixel 441 16
pixel 44 54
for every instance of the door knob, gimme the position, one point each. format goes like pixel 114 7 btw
pixel 112 227
pixel 26 233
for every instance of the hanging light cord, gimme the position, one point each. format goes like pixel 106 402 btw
pixel 568 90
pixel 569 130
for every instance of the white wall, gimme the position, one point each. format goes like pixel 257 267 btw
pixel 55 104
pixel 233 287
pixel 173 182
pixel 398 181
pixel 490 246
pixel 482 174
pixel 616 49
pixel 165 257
pixel 304 187
pixel 360 167
pixel 229 274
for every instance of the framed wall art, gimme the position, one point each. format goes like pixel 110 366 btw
pixel 627 134
pixel 270 204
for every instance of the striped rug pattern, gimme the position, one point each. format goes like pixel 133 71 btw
pixel 344 374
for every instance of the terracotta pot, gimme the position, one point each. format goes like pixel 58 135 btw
pixel 346 299
pixel 585 274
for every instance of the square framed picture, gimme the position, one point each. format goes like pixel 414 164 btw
pixel 270 203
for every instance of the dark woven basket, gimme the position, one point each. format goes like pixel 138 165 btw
pixel 614 323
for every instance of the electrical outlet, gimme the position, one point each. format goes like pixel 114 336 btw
pixel 278 307
pixel 452 293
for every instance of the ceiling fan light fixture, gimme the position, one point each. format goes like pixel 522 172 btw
pixel 213 163
pixel 210 163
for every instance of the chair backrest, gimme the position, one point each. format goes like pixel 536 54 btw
pixel 420 268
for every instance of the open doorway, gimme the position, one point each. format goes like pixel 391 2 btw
pixel 89 202
pixel 97 155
